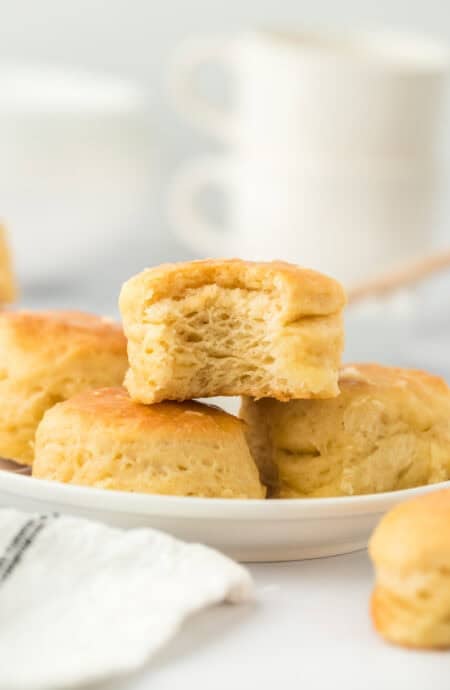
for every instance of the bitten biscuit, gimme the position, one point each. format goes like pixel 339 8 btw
pixel 388 429
pixel 232 327
pixel 410 550
pixel 102 438
pixel 46 357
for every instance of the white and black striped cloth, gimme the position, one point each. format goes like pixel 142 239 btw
pixel 82 602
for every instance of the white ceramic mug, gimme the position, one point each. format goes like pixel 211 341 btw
pixel 357 93
pixel 334 140
pixel 76 159
pixel 351 220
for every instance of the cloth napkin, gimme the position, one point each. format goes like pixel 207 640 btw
pixel 81 602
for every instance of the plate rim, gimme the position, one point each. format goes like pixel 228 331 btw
pixel 100 500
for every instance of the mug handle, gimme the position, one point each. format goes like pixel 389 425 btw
pixel 187 220
pixel 187 97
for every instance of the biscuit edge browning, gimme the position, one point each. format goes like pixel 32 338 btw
pixel 410 551
pixel 389 429
pixel 102 438
pixel 48 356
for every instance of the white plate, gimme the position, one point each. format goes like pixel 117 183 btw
pixel 252 530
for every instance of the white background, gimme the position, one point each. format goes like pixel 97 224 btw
pixel 137 38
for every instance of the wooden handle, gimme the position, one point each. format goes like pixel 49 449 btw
pixel 403 276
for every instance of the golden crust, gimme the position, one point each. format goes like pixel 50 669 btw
pixel 388 429
pixel 378 376
pixel 231 327
pixel 113 407
pixel 102 438
pixel 47 357
pixel 36 331
pixel 415 535
pixel 410 550
pixel 308 292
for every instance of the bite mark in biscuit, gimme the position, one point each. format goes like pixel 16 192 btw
pixel 231 327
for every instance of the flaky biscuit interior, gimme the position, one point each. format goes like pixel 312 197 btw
pixel 232 328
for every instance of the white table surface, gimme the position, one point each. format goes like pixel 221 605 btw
pixel 309 628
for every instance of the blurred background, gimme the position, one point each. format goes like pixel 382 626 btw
pixel 95 152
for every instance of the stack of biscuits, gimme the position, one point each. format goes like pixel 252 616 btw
pixel 271 333
pixel 88 403
pixel 196 330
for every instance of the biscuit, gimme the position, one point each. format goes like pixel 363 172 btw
pixel 410 550
pixel 232 327
pixel 8 286
pixel 388 429
pixel 103 438
pixel 46 357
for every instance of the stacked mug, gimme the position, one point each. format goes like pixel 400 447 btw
pixel 333 148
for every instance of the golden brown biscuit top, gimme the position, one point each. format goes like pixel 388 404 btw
pixel 29 329
pixel 306 291
pixel 382 377
pixel 113 406
pixel 414 535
